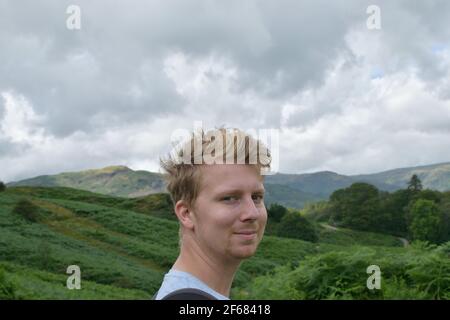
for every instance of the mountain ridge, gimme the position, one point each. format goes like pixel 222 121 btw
pixel 292 190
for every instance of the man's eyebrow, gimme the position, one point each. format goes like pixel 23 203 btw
pixel 238 191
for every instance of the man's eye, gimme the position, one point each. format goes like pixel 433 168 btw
pixel 229 198
pixel 258 197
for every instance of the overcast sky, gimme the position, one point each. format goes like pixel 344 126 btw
pixel 344 97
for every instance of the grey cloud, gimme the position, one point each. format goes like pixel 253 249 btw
pixel 9 149
pixel 74 77
pixel 410 31
pixel 278 47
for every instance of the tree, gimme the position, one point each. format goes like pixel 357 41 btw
pixel 444 207
pixel 414 184
pixel 357 206
pixel 274 215
pixel 293 225
pixel 394 208
pixel 2 186
pixel 426 221
pixel 276 212
pixel 428 194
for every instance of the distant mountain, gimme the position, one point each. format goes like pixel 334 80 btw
pixel 320 185
pixel 317 185
pixel 295 190
pixel 114 180
pixel 292 190
pixel 435 176
pixel 288 196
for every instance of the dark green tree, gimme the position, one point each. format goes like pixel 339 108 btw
pixel 426 221
pixel 274 215
pixel 394 208
pixel 276 212
pixel 2 186
pixel 428 194
pixel 293 225
pixel 414 184
pixel 444 207
pixel 357 206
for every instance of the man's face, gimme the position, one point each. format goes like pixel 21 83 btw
pixel 229 214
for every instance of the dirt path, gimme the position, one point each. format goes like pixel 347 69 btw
pixel 327 226
pixel 404 241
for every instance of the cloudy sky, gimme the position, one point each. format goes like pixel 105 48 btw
pixel 344 97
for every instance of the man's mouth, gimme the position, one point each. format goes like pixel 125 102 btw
pixel 247 234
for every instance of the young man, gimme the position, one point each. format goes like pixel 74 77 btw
pixel 220 209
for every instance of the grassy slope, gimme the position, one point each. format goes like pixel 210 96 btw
pixel 120 246
pixel 71 232
pixel 31 283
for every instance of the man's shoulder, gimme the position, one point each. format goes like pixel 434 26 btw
pixel 187 294
pixel 176 280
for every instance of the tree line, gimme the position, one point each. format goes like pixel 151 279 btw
pixel 412 212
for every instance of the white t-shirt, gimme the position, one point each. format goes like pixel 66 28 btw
pixel 175 280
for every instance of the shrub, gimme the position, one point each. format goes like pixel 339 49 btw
pixel 26 209
pixel 293 225
pixel 431 274
pixel 44 255
pixel 7 289
pixel 419 272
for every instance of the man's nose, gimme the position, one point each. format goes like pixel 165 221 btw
pixel 249 210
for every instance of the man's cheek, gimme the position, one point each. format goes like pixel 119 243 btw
pixel 264 217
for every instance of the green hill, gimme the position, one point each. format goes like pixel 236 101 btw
pixel 114 180
pixel 290 190
pixel 124 246
pixel 114 247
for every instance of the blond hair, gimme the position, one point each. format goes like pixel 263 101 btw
pixel 182 166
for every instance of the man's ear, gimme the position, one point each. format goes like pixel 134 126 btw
pixel 184 214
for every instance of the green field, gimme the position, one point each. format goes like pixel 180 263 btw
pixel 124 246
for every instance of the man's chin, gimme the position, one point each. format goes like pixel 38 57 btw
pixel 244 253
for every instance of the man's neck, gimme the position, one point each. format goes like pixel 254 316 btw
pixel 218 275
